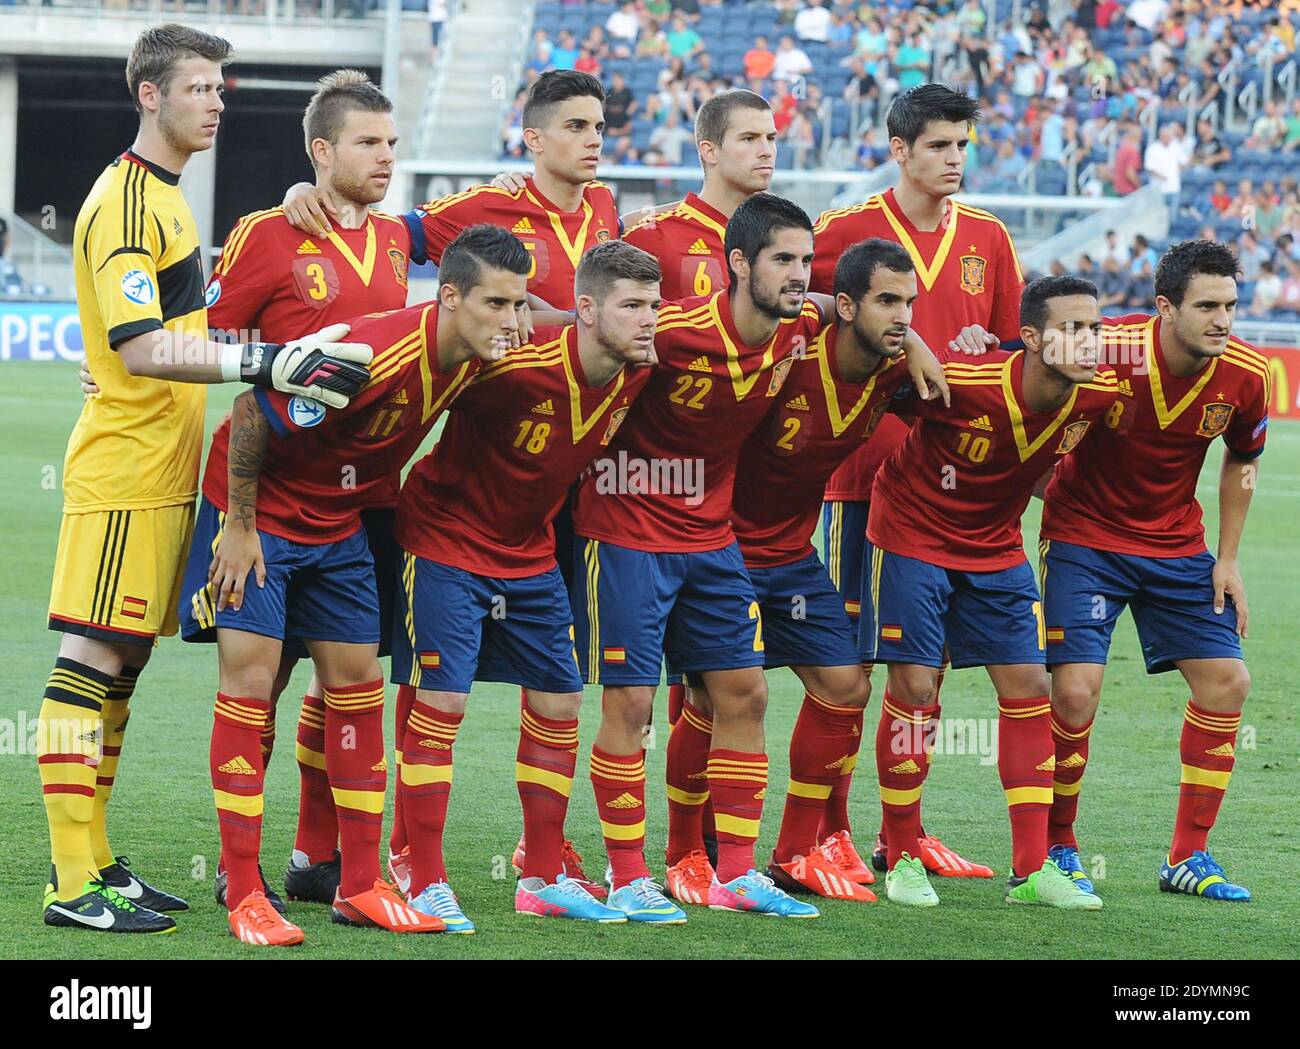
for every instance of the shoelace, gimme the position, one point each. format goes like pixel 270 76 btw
pixel 647 891
pixel 442 901
pixel 263 916
pixel 837 851
pixel 761 879
pixel 1211 864
pixel 113 896
pixel 571 887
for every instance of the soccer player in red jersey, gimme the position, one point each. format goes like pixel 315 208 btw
pixel 270 279
pixel 736 139
pixel 969 282
pixel 283 493
pixel 657 566
pixel 832 399
pixel 947 572
pixel 561 211
pixel 1122 527
pixel 483 597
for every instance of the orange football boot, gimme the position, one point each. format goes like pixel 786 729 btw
pixel 256 922
pixel 688 879
pixel 840 850
pixel 819 874
pixel 382 907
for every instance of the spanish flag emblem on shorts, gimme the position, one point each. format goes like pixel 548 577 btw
pixel 615 655
pixel 889 632
pixel 134 607
pixel 430 660
pixel 1055 633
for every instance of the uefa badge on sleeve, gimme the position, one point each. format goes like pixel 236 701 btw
pixel 305 412
pixel 137 287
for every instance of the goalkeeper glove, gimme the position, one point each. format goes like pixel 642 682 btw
pixel 316 366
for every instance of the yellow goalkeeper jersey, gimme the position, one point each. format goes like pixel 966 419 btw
pixel 138 269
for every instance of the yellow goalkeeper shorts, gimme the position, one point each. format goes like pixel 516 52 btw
pixel 117 573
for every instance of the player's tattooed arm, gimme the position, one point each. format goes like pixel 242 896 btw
pixel 1237 479
pixel 240 547
pixel 310 209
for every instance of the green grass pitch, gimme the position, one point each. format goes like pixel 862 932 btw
pixel 162 815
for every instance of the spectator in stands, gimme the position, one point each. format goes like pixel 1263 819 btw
pixel 1144 255
pixel 1100 70
pixel 653 43
pixel 1289 298
pixel 437 20
pixel 801 136
pixel 669 137
pixel 1116 249
pixel 587 62
pixel 972 18
pixel 1098 182
pixel 1140 293
pixel 1057 268
pixel 1268 290
pixel 702 66
pixel 871 44
pixel 1269 130
pixel 786 11
pixel 1128 171
pixel 759 60
pixel 683 41
pixel 659 10
pixel 690 9
pixel 1112 285
pixel 1164 161
pixel 813 23
pixel 1106 14
pixel 784 104
pixel 1220 200
pixel 597 43
pixel 912 62
pixel 1008 163
pixel 512 136
pixel 1242 206
pixel 620 108
pixel 1251 255
pixel 1052 135
pixel 1148 14
pixel 623 26
pixel 1268 214
pixel 565 53
pixel 870 153
pixel 841 31
pixel 1210 151
pixel 1086 268
pixel 791 62
pixel 540 61
pixel 1291 140
pixel 1026 77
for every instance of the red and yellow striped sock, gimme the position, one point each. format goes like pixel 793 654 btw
pixel 235 761
pixel 116 713
pixel 544 767
pixel 822 743
pixel 68 754
pixel 737 787
pixel 688 791
pixel 676 701
pixel 618 781
pixel 935 716
pixel 318 824
pixel 424 785
pixel 268 739
pixel 1208 749
pixel 354 760
pixel 1071 742
pixel 397 839
pixel 1026 764
pixel 835 815
pixel 902 763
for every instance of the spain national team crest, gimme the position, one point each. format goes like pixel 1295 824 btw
pixel 398 258
pixel 602 235
pixel 1214 419
pixel 779 373
pixel 1072 436
pixel 972 274
pixel 615 421
pixel 873 420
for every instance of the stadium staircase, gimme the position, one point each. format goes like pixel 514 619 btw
pixel 475 81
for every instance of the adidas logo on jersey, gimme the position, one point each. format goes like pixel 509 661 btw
pixel 799 404
pixel 761 794
pixel 547 407
pixel 400 398
pixel 1223 750
pixel 700 364
pixel 177 228
pixel 1125 387
pixel 308 248
pixel 623 801
pixel 906 768
pixel 1074 761
pixel 982 423
pixel 698 248
pixel 1047 766
pixel 523 226
pixel 237 766
pixel 380 766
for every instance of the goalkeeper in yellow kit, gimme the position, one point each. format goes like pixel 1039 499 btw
pixel 131 471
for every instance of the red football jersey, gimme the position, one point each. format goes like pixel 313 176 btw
pixel 955 490
pixel 687 241
pixel 323 466
pixel 665 483
pixel 783 467
pixel 518 437
pixel 1131 489
pixel 272 284
pixel 966 273
pixel 555 239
